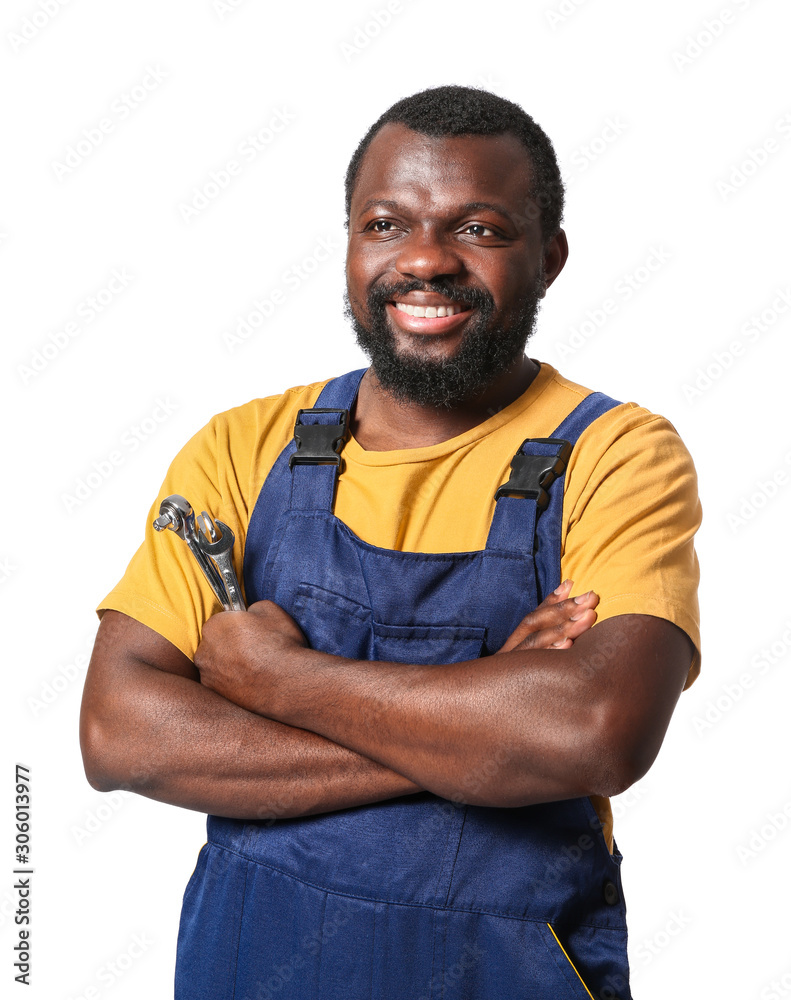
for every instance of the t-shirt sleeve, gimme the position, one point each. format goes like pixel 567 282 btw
pixel 163 586
pixel 219 470
pixel 631 510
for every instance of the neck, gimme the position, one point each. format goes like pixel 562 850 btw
pixel 382 422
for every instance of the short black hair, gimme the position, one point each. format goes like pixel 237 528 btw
pixel 454 110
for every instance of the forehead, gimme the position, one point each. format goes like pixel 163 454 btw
pixel 411 168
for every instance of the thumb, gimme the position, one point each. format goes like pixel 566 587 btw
pixel 263 608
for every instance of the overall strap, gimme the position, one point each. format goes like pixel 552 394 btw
pixel 303 485
pixel 529 507
pixel 319 435
pixel 340 393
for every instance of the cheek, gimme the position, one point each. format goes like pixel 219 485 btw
pixel 369 260
pixel 360 278
pixel 508 283
pixel 357 278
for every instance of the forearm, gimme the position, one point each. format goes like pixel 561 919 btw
pixel 165 736
pixel 538 725
pixel 505 730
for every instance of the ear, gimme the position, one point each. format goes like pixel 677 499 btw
pixel 556 254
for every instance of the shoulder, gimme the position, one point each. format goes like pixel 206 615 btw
pixel 630 513
pixel 627 432
pixel 265 425
pixel 266 415
pixel 228 458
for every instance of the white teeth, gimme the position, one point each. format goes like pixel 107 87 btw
pixel 427 312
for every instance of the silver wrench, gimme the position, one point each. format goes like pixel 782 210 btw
pixel 219 546
pixel 176 513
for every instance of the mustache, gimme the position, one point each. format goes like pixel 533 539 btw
pixel 467 296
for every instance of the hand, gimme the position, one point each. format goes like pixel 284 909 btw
pixel 556 622
pixel 241 651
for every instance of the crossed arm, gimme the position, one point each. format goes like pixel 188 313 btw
pixel 275 729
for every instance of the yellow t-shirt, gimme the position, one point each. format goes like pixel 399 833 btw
pixel 630 507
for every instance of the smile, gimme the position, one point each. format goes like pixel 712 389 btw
pixel 429 312
pixel 427 319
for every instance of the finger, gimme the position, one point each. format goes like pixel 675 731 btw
pixel 276 621
pixel 530 622
pixel 561 635
pixel 549 616
pixel 559 594
pixel 557 606
pixel 589 599
pixel 262 607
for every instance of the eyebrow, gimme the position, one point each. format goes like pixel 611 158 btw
pixel 380 202
pixel 485 206
pixel 471 206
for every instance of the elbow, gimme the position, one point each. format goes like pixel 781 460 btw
pixel 598 759
pixel 613 777
pixel 630 767
pixel 600 750
pixel 97 757
pixel 621 756
pixel 106 764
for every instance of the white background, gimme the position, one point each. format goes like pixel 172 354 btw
pixel 687 172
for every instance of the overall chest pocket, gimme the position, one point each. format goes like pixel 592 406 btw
pixel 337 624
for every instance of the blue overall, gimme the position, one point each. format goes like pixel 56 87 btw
pixel 417 897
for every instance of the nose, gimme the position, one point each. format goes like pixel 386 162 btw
pixel 426 255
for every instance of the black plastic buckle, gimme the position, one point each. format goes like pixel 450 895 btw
pixel 532 475
pixel 319 444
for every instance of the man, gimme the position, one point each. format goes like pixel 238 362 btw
pixel 394 812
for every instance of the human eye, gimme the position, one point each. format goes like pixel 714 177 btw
pixel 381 226
pixel 479 230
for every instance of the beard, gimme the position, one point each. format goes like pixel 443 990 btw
pixel 487 350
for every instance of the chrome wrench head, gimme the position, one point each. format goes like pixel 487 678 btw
pixel 207 527
pixel 176 513
pixel 216 540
